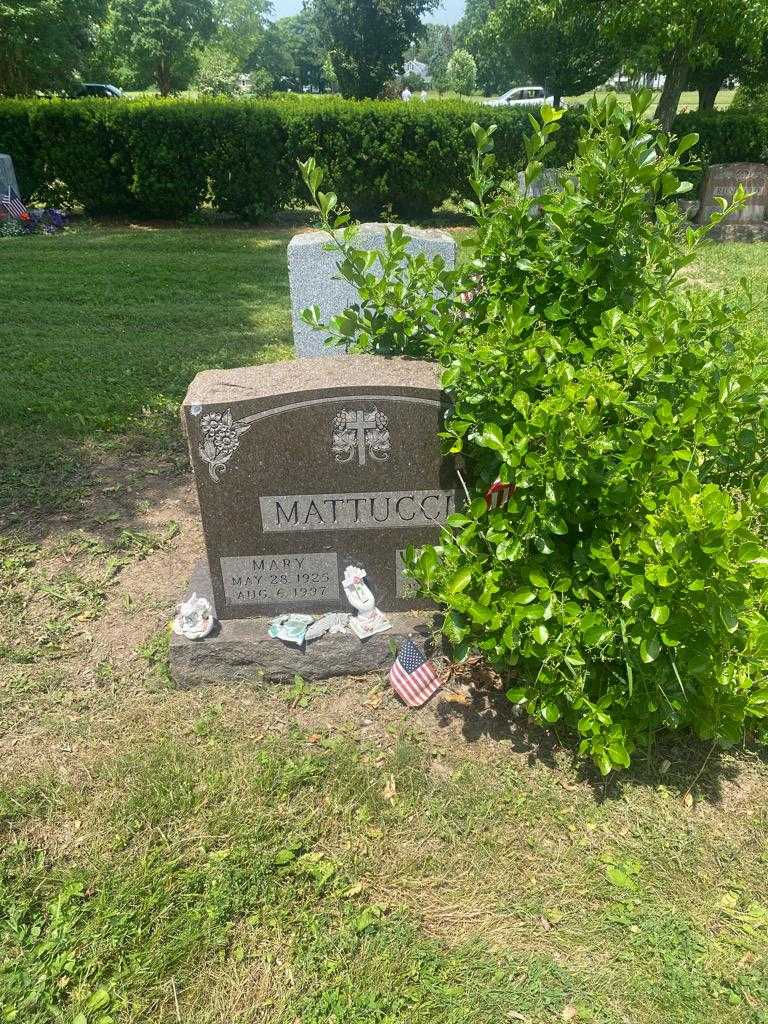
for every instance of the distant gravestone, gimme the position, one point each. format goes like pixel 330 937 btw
pixel 314 278
pixel 722 180
pixel 303 468
pixel 7 175
pixel 549 179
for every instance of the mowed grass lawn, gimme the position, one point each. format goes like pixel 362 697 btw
pixel 303 854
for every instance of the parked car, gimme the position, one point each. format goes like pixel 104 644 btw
pixel 522 96
pixel 108 92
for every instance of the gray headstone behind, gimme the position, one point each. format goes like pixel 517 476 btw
pixel 8 175
pixel 315 281
pixel 549 180
pixel 723 180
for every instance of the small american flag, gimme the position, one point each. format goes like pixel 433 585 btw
pixel 412 677
pixel 498 494
pixel 11 203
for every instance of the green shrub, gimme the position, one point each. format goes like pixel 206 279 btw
pixel 164 157
pixel 727 137
pixel 83 157
pixel 624 587
pixel 750 97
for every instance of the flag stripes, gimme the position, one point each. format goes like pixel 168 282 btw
pixel 11 203
pixel 412 677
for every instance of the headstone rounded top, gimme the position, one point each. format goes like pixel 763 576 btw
pixel 7 175
pixel 318 374
pixel 372 231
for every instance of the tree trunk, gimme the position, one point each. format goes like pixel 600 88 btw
pixel 676 71
pixel 163 78
pixel 709 86
pixel 556 101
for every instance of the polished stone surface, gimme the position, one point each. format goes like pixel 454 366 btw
pixel 7 175
pixel 306 467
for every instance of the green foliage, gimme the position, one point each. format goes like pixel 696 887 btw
pixel 366 39
pixel 728 136
pixel 684 39
pixel 240 26
pixel 557 44
pixel 159 39
pixel 216 72
pixel 434 49
pixel 159 157
pixel 292 52
pixel 750 98
pixel 622 589
pixel 259 83
pixel 461 73
pixel 44 43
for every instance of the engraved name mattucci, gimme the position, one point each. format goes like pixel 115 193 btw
pixel 360 432
pixel 372 510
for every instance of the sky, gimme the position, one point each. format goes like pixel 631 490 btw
pixel 448 13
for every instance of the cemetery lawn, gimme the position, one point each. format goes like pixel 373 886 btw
pixel 303 854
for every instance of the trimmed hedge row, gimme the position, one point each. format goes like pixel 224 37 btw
pixel 727 137
pixel 164 158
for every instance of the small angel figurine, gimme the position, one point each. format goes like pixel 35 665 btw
pixel 194 618
pixel 369 619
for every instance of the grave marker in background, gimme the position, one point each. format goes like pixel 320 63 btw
pixel 748 224
pixel 7 175
pixel 314 278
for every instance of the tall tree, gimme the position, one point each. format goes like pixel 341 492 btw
pixel 554 43
pixel 239 25
pixel 44 44
pixel 292 51
pixel 157 41
pixel 461 73
pixel 683 35
pixel 366 39
pixel 494 73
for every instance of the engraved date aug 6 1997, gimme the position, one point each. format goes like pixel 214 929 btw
pixel 272 579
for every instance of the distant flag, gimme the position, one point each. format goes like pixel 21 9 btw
pixel 413 678
pixel 498 494
pixel 12 205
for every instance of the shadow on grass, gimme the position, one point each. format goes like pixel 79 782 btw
pixel 51 482
pixel 680 763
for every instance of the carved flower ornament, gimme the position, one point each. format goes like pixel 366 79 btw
pixel 220 439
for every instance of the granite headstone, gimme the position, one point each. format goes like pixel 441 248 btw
pixel 303 468
pixel 722 180
pixel 7 175
pixel 314 278
pixel 549 180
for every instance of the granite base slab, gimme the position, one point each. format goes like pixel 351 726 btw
pixel 239 650
pixel 740 232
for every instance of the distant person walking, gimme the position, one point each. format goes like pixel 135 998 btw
pixel 406 94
